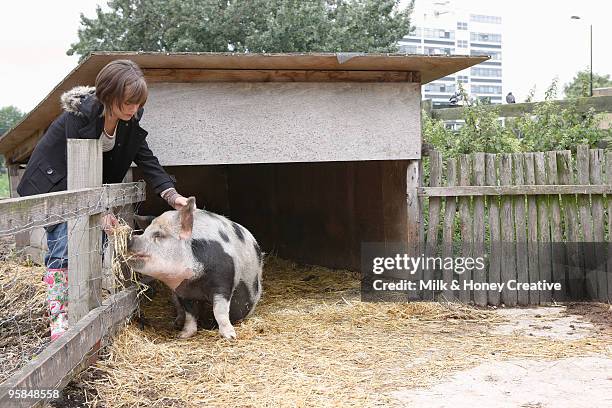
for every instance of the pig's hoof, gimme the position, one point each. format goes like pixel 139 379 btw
pixel 228 333
pixel 179 322
pixel 185 334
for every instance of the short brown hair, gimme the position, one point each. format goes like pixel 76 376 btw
pixel 121 81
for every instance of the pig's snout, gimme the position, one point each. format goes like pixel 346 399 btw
pixel 130 243
pixel 133 243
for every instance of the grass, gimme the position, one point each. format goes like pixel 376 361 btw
pixel 4 186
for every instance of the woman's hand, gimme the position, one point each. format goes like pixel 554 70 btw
pixel 180 202
pixel 109 223
pixel 174 199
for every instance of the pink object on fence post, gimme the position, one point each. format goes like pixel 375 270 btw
pixel 84 237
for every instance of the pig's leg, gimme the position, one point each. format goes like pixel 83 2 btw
pixel 179 322
pixel 190 328
pixel 190 325
pixel 221 309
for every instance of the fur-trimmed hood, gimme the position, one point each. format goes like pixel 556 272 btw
pixel 71 101
pixel 82 101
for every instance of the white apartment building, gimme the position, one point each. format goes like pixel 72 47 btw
pixel 441 28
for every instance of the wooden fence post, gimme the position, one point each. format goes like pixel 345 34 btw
pixel 414 219
pixel 84 237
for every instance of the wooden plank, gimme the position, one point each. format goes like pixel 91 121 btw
pixel 586 222
pixel 84 234
pixel 609 242
pixel 582 168
pixel 466 225
pixel 544 248
pixel 559 261
pixel 532 230
pixel 52 367
pixel 459 191
pixel 421 242
pixel 22 239
pixel 154 75
pixel 433 220
pixel 448 228
pixel 508 249
pixel 413 219
pixel 26 213
pixel 522 260
pixel 574 254
pixel 598 104
pixel 21 153
pixel 121 194
pixel 597 274
pixel 14 175
pixel 480 296
pixel 495 258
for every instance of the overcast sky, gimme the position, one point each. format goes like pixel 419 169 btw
pixel 540 42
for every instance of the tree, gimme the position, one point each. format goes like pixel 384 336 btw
pixel 245 26
pixel 9 116
pixel 580 84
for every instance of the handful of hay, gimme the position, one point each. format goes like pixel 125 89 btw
pixel 124 275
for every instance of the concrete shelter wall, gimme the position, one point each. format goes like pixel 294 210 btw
pixel 275 122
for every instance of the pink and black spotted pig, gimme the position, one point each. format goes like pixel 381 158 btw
pixel 212 264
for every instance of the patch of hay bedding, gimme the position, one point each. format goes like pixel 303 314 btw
pixel 24 328
pixel 310 343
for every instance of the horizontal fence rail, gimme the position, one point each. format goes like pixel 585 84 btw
pixel 24 213
pixel 524 189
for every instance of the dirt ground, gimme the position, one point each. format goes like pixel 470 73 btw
pixel 312 343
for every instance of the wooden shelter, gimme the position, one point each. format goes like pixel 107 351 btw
pixel 314 153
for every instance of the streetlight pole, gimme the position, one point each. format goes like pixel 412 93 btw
pixel 591 46
pixel 591 30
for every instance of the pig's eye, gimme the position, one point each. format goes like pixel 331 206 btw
pixel 158 235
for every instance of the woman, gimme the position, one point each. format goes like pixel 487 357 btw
pixel 110 111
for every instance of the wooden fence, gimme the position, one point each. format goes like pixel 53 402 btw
pixel 533 217
pixel 91 318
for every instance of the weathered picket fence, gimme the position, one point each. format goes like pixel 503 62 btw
pixel 532 216
pixel 91 317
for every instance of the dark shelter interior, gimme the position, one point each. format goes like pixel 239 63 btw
pixel 315 213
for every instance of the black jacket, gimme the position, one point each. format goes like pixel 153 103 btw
pixel 82 119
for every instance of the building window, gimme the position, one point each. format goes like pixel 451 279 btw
pixel 415 32
pixel 438 34
pixel 495 55
pixel 437 87
pixel 463 79
pixel 461 25
pixel 485 37
pixel 409 49
pixel 438 51
pixel 462 43
pixel 487 89
pixel 486 72
pixel 479 18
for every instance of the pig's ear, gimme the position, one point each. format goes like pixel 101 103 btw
pixel 143 221
pixel 186 214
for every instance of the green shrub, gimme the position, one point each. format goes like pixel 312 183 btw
pixel 547 128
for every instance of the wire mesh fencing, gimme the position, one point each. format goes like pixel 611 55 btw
pixel 42 239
